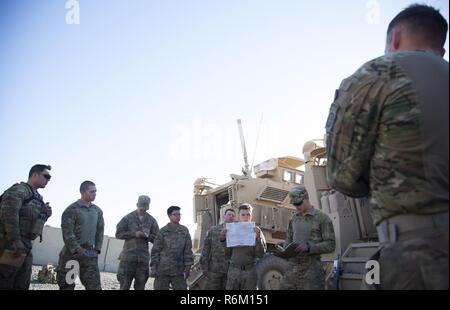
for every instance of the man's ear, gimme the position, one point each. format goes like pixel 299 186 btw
pixel 396 39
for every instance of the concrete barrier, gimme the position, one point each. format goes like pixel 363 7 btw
pixel 111 260
pixel 47 251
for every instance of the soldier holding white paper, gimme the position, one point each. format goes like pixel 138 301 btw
pixel 242 272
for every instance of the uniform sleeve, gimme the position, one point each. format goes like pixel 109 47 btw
pixel 260 246
pixel 153 231
pixel 68 229
pixel 99 232
pixel 156 250
pixel 122 231
pixel 206 251
pixel 289 234
pixel 9 212
pixel 352 129
pixel 228 253
pixel 328 243
pixel 228 250
pixel 188 255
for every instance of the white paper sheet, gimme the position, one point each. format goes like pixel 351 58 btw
pixel 240 234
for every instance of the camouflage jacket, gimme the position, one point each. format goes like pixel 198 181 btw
pixel 171 253
pixel 247 255
pixel 315 229
pixel 82 225
pixel 136 249
pixel 213 253
pixel 387 135
pixel 20 208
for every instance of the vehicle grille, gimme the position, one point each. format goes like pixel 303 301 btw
pixel 274 194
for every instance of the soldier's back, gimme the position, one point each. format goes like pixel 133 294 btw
pixel 394 108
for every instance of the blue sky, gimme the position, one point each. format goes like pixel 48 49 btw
pixel 142 97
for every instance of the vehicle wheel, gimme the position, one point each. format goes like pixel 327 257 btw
pixel 270 270
pixel 196 279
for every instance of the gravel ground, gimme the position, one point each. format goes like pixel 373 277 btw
pixel 109 282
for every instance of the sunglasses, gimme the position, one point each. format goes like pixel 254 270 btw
pixel 298 204
pixel 47 176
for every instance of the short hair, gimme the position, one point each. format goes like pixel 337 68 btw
pixel 85 185
pixel 424 21
pixel 172 208
pixel 229 209
pixel 38 169
pixel 246 206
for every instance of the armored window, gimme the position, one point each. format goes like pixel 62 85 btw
pixel 288 176
pixel 298 178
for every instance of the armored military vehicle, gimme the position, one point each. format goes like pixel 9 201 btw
pixel 267 191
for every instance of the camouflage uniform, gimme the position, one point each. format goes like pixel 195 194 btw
pixel 171 257
pixel 135 257
pixel 81 226
pixel 213 259
pixel 20 208
pixel 388 138
pixel 305 271
pixel 242 271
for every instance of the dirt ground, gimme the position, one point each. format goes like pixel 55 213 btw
pixel 109 282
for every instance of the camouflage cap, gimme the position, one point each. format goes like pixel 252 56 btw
pixel 297 195
pixel 143 200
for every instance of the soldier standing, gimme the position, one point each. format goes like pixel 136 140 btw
pixel 312 231
pixel 82 228
pixel 171 256
pixel 242 271
pixel 23 214
pixel 137 228
pixel 387 137
pixel 213 260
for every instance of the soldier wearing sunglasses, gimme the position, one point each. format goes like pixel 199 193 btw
pixel 23 214
pixel 312 233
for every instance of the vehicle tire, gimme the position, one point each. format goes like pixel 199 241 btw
pixel 196 279
pixel 270 270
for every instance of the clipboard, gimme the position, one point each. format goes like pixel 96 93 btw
pixel 286 252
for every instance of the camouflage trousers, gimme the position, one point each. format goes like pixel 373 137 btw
pixel 241 279
pixel 129 270
pixel 420 263
pixel 88 272
pixel 304 273
pixel 164 282
pixel 216 281
pixel 13 278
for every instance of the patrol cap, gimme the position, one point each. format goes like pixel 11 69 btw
pixel 143 200
pixel 298 194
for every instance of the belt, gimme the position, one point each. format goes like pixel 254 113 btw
pixel 406 226
pixel 87 246
pixel 243 267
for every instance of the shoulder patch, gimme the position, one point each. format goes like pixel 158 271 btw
pixel 332 115
pixel 346 84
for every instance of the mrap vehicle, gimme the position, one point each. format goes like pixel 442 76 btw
pixel 267 191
